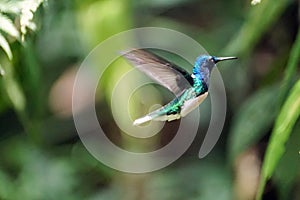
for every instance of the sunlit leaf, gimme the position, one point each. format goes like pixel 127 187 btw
pixel 5 46
pixel 12 7
pixel 253 120
pixel 8 26
pixel 31 26
pixel 281 132
pixel 27 12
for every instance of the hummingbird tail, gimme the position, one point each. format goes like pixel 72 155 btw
pixel 156 116
pixel 142 120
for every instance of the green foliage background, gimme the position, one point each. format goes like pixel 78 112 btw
pixel 43 43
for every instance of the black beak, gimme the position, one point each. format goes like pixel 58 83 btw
pixel 218 59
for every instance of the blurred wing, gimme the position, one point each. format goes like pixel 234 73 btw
pixel 162 71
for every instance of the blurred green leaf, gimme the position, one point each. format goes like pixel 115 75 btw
pixel 260 18
pixel 281 132
pixel 31 79
pixel 252 121
pixel 5 46
pixel 13 90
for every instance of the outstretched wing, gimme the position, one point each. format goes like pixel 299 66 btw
pixel 162 71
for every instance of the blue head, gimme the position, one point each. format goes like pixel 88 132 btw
pixel 204 64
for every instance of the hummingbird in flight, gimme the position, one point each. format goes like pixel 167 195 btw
pixel 190 88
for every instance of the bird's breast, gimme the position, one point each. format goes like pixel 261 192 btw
pixel 191 104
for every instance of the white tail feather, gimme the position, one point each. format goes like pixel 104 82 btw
pixel 142 120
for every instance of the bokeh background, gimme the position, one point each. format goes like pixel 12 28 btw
pixel 43 44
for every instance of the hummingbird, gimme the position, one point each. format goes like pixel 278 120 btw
pixel 190 88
